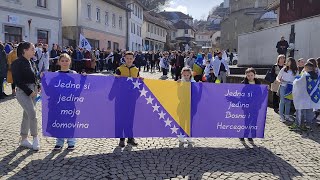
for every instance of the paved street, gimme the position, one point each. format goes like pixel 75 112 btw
pixel 281 155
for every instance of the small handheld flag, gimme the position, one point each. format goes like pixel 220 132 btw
pixel 84 43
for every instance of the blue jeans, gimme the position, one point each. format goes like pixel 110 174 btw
pixel 70 141
pixel 285 104
pixel 304 114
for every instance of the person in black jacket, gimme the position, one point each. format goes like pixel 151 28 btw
pixel 25 76
pixel 179 64
pixel 282 46
pixel 250 79
pixel 3 69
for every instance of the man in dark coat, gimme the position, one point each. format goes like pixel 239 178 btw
pixel 282 46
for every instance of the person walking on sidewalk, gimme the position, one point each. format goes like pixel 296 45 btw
pixel 25 76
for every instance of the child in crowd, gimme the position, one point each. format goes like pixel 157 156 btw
pixel 164 64
pixel 250 79
pixel 128 69
pixel 65 62
pixel 305 96
pixel 186 76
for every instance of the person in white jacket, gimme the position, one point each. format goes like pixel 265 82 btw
pixel 221 68
pixel 306 95
pixel 44 59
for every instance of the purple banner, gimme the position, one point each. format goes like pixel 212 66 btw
pixel 108 107
pixel 228 110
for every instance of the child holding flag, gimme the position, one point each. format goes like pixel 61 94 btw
pixel 198 68
pixel 221 68
pixel 306 95
pixel 127 70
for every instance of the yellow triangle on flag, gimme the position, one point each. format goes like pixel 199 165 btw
pixel 175 98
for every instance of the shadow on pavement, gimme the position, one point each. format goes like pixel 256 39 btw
pixel 160 163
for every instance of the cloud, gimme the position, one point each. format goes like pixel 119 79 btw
pixel 180 8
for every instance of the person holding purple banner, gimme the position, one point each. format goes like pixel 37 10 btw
pixel 250 79
pixel 125 100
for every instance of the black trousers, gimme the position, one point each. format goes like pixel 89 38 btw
pixel 178 73
pixel 275 99
pixel 164 71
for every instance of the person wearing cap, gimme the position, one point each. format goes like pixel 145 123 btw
pixel 11 58
pixel 221 68
pixel 282 46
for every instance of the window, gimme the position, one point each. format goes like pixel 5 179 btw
pixel 120 22
pixel 141 14
pixel 186 31
pixel 98 15
pixel 115 45
pixel 106 18
pixel 43 36
pixel 132 46
pixel 134 28
pixel 236 22
pixel 113 20
pixel 293 4
pixel 158 31
pixel 94 43
pixel 89 11
pixel 235 35
pixel 148 27
pixel 151 28
pixel 136 10
pixel 42 3
pixel 131 27
pixel 12 34
pixel 256 4
pixel 173 34
pixel 109 44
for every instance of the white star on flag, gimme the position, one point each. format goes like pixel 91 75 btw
pixel 136 84
pixel 162 114
pixel 143 92
pixel 156 107
pixel 130 78
pixel 174 129
pixel 181 136
pixel 149 100
pixel 168 122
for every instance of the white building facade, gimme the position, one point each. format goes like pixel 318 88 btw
pixel 102 22
pixel 154 33
pixel 135 23
pixel 28 20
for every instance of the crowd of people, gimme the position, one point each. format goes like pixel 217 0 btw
pixel 22 66
pixel 296 82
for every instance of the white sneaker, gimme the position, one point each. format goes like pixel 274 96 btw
pixel 282 119
pixel 288 118
pixel 36 144
pixel 26 143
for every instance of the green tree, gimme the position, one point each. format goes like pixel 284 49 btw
pixel 154 5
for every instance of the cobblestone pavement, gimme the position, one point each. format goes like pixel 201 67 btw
pixel 281 155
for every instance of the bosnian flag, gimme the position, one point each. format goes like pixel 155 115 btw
pixel 84 43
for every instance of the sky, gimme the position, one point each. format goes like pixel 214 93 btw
pixel 196 8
